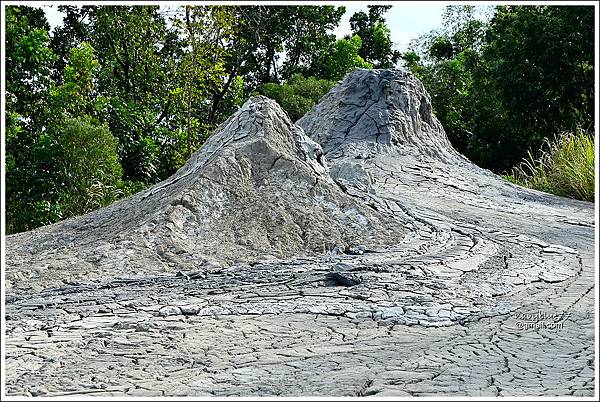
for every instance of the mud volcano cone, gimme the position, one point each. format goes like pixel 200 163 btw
pixel 258 189
pixel 377 110
pixel 381 137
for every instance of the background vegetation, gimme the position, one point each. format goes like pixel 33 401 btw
pixel 118 97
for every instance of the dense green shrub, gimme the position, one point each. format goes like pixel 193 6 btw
pixel 298 95
pixel 90 165
pixel 74 170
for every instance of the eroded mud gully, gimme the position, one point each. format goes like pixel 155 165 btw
pixel 354 253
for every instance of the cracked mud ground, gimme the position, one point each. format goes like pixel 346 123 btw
pixel 352 253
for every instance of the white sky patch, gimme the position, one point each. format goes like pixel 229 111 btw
pixel 410 21
pixel 55 17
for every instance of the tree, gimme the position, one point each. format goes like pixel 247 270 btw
pixel 70 165
pixel 75 29
pixel 28 63
pixel 377 46
pixel 76 95
pixel 340 59
pixel 28 83
pixel 253 47
pixel 200 72
pixel 501 87
pixel 536 69
pixel 88 159
pixel 76 169
pixel 137 53
pixel 310 31
pixel 542 61
pixel 441 48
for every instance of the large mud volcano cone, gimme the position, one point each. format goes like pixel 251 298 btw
pixel 379 133
pixel 258 189
pixel 374 111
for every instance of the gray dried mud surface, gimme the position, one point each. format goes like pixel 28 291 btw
pixel 352 253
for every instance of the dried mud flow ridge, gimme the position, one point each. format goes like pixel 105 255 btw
pixel 352 253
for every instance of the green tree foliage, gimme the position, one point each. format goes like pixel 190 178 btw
pixel 137 53
pixel 341 58
pixel 75 29
pixel 377 46
pixel 28 59
pixel 90 161
pixel 28 83
pixel 263 33
pixel 310 31
pixel 298 95
pixel 81 152
pixel 76 95
pixel 28 68
pixel 79 159
pixel 501 87
pixel 71 166
pixel 541 62
pixel 201 69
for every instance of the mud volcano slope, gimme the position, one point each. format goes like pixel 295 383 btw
pixel 258 189
pixel 354 253
pixel 378 133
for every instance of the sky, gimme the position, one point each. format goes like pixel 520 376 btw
pixel 407 21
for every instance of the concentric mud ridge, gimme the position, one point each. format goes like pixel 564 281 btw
pixel 356 245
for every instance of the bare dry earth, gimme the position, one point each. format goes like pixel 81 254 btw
pixel 352 253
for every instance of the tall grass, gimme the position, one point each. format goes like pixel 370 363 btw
pixel 564 166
